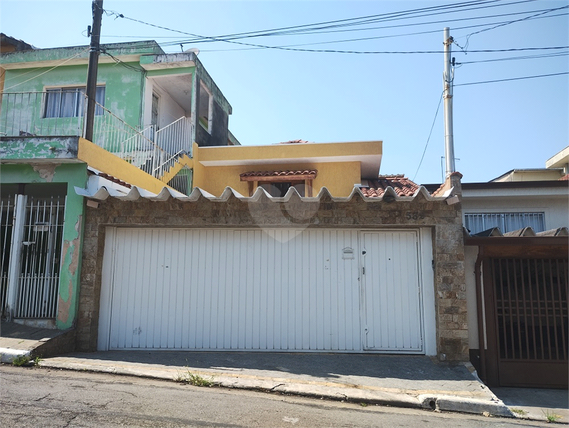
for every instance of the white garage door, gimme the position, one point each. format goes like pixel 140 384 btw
pixel 285 290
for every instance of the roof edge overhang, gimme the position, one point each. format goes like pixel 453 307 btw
pixel 101 193
pixel 515 240
pixel 168 61
pixel 368 153
pixel 78 55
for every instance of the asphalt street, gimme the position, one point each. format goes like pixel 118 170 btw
pixel 33 397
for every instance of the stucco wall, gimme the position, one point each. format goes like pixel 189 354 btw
pixel 123 88
pixel 338 177
pixel 555 208
pixel 444 221
pixel 73 174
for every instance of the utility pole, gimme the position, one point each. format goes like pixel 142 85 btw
pixel 97 7
pixel 448 76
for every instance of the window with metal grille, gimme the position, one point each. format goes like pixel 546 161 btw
pixel 70 102
pixel 506 222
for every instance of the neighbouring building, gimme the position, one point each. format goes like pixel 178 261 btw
pixel 516 265
pixel 151 109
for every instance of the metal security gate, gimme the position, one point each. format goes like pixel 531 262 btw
pixel 239 289
pixel 32 233
pixel 529 321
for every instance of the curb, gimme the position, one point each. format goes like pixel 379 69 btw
pixel 437 402
pixel 7 355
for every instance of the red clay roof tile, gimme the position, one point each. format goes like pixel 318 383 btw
pixel 401 184
pixel 285 173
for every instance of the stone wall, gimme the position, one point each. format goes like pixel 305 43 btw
pixel 445 221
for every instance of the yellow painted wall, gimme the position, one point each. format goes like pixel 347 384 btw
pixel 199 175
pixel 338 177
pixel 108 163
pixel 285 151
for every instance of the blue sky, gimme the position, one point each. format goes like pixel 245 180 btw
pixel 280 95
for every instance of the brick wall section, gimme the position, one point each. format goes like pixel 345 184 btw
pixel 445 220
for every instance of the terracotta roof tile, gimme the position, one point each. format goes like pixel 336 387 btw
pixel 564 178
pixel 279 173
pixel 114 179
pixel 401 184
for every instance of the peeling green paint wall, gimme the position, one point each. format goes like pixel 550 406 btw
pixel 30 148
pixel 123 87
pixel 73 174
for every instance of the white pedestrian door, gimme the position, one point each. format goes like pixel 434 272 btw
pixel 392 318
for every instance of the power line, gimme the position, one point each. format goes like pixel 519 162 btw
pixel 508 23
pixel 429 138
pixel 343 40
pixel 122 63
pixel 279 31
pixel 47 71
pixel 512 79
pixel 456 7
pixel 445 21
pixel 548 55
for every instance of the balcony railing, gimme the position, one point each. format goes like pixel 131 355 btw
pixel 24 114
pixel 28 114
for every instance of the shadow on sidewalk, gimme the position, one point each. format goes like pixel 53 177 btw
pixel 314 364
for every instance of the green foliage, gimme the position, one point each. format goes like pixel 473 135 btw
pixel 194 379
pixel 551 417
pixel 26 361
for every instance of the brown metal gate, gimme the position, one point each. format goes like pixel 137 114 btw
pixel 527 320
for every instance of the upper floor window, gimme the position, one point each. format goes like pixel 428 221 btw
pixel 70 101
pixel 205 107
pixel 506 222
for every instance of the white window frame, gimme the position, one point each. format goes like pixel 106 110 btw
pixel 76 109
pixel 489 220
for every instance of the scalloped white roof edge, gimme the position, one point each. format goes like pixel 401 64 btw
pixel 103 190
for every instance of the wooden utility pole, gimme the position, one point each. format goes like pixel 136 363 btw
pixel 97 7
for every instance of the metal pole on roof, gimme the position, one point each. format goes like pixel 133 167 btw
pixel 448 77
pixel 97 7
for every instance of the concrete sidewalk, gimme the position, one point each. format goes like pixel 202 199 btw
pixel 392 380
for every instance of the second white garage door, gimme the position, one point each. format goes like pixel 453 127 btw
pixel 282 290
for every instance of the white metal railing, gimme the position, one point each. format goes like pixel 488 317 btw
pixel 175 137
pixel 114 135
pixel 165 166
pixel 152 150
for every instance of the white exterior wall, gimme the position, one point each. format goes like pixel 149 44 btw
pixel 555 208
pixel 168 109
